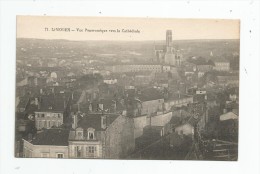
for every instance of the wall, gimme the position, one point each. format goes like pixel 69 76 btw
pixel 161 120
pixel 84 146
pixel 222 66
pixel 134 68
pixel 139 124
pixel 35 151
pixel 149 107
pixel 120 138
pixel 177 102
pixel 50 119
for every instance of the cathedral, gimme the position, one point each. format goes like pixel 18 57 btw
pixel 167 54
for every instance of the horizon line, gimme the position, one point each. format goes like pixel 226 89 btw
pixel 125 40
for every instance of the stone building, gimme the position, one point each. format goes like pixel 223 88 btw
pixel 102 136
pixel 167 54
pixel 50 143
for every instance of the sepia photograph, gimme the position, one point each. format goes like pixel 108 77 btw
pixel 127 88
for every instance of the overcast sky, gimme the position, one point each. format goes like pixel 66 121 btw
pixel 150 28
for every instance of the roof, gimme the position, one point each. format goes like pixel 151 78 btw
pixel 228 116
pixel 23 101
pixel 52 103
pixel 94 121
pixel 55 137
pixel 228 78
pixel 176 96
pixel 150 94
pixel 108 105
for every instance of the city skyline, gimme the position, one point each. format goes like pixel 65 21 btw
pixel 176 100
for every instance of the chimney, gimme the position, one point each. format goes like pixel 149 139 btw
pixel 64 104
pixel 90 107
pixel 75 121
pixel 114 105
pixel 41 91
pixel 103 121
pixel 39 102
pixel 36 101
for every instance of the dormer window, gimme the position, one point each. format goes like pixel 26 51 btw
pixel 91 135
pixel 79 133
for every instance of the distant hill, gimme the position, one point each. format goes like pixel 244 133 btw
pixel 143 50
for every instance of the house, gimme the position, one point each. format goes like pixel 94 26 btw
pixel 230 80
pixel 159 119
pixel 94 136
pixel 228 127
pixel 50 143
pixel 222 65
pixel 177 100
pixel 52 111
pixel 110 81
pixel 204 67
pixel 151 101
pixel 102 136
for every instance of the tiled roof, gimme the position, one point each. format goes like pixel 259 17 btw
pixel 55 137
pixel 94 121
pixel 52 103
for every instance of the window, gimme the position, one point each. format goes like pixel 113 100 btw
pixel 78 151
pixel 91 149
pixel 58 115
pixel 60 155
pixel 42 115
pixel 79 134
pixel 91 135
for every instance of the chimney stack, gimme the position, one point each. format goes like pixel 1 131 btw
pixel 36 101
pixel 75 121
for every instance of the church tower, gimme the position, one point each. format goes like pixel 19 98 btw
pixel 169 55
pixel 168 38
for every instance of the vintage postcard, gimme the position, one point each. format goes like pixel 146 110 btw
pixel 127 88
